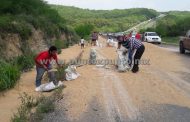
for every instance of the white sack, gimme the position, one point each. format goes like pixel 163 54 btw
pixel 48 87
pixel 93 56
pixel 71 73
pixel 122 61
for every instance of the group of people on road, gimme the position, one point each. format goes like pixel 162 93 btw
pixel 94 40
pixel 134 46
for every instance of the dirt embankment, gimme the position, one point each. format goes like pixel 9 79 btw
pixel 11 45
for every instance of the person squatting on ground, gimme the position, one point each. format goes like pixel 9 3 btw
pixel 82 42
pixel 43 63
pixel 133 45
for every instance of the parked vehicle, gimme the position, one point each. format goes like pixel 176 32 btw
pixel 152 37
pixel 184 43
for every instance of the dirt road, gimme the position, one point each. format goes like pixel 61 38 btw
pixel 160 92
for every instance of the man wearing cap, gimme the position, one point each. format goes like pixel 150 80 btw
pixel 136 48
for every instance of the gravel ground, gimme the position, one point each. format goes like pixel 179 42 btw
pixel 160 92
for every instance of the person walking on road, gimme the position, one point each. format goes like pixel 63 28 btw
pixel 82 42
pixel 94 38
pixel 43 63
pixel 136 48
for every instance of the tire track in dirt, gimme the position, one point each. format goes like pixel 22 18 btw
pixel 180 84
pixel 117 99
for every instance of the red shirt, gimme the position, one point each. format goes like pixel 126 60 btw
pixel 45 58
pixel 138 36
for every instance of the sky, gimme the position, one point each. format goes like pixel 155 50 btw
pixel 159 5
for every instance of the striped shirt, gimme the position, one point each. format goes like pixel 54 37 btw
pixel 132 44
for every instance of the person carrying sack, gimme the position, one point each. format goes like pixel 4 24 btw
pixel 136 48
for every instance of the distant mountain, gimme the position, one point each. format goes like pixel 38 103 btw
pixel 105 20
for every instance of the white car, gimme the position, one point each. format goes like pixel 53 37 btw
pixel 152 37
pixel 133 34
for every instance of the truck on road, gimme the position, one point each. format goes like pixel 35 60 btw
pixel 184 43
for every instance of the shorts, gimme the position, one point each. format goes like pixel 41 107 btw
pixel 93 40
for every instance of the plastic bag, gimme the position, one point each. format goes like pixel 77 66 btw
pixel 48 87
pixel 122 61
pixel 93 54
pixel 71 73
pixel 97 43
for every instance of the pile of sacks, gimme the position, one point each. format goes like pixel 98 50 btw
pixel 122 61
pixel 93 56
pixel 99 44
pixel 71 73
pixel 112 43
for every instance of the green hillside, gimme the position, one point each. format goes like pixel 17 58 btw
pixel 105 20
pixel 175 23
pixel 23 18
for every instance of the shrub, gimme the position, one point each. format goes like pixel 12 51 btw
pixel 33 109
pixel 10 72
pixel 84 30
pixel 27 103
pixel 9 75
pixel 8 24
pixel 23 29
pixel 46 105
pixel 60 44
pixel 24 62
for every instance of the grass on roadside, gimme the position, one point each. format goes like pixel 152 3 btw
pixel 171 40
pixel 9 74
pixel 24 62
pixel 33 109
pixel 11 70
pixel 61 44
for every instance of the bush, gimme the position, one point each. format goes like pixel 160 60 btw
pixel 33 109
pixel 19 17
pixel 60 44
pixel 10 72
pixel 24 62
pixel 5 23
pixel 27 103
pixel 23 29
pixel 84 30
pixel 46 105
pixel 8 24
pixel 9 75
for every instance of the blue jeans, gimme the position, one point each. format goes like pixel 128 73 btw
pixel 39 75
